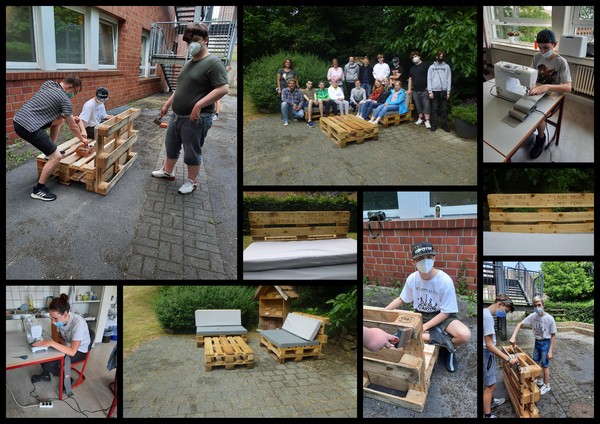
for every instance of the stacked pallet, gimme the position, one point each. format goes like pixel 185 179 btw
pixel 400 376
pixel 520 383
pixel 227 352
pixel 346 128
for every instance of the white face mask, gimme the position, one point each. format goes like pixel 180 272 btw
pixel 547 54
pixel 425 265
pixel 195 48
pixel 416 59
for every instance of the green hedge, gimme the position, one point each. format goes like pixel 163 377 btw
pixel 299 202
pixel 575 311
pixel 260 77
pixel 176 305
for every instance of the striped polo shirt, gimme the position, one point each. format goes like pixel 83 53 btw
pixel 48 104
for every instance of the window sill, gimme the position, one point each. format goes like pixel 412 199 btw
pixel 526 48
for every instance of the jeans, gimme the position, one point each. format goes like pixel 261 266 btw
pixel 286 108
pixel 382 110
pixel 367 108
pixel 367 88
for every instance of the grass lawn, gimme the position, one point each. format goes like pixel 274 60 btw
pixel 248 239
pixel 139 322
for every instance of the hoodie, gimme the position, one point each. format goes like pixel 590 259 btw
pixel 351 71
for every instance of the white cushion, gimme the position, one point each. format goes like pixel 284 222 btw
pixel 302 326
pixel 218 317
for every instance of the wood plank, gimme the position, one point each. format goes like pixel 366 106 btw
pixel 523 217
pixel 578 200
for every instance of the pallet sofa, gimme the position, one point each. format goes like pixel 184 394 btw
pixel 300 245
pixel 301 336
pixel 218 322
pixel 540 224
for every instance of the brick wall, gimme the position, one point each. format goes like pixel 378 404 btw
pixel 387 258
pixel 123 83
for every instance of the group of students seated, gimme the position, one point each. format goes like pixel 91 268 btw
pixel 386 96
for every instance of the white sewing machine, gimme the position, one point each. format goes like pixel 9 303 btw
pixel 33 330
pixel 513 81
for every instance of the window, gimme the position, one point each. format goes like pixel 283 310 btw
pixel 524 21
pixel 420 204
pixel 69 35
pixel 20 37
pixel 146 68
pixel 106 44
pixel 583 21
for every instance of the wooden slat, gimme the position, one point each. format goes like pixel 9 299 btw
pixel 573 200
pixel 297 225
pixel 522 217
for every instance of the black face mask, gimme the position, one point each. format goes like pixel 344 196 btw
pixel 440 59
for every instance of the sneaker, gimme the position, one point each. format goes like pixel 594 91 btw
pixel 539 381
pixel 427 125
pixel 497 402
pixel 43 194
pixel 188 186
pixel 161 173
pixel 310 124
pixel 419 121
pixel 491 416
pixel 215 117
pixel 537 148
pixel 40 377
pixel 285 123
pixel 545 389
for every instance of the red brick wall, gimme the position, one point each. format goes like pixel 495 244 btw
pixel 123 83
pixel 387 258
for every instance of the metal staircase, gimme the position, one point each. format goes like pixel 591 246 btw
pixel 168 50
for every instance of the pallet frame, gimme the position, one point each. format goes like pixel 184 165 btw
pixel 520 383
pixel 227 351
pixel 397 118
pixel 407 369
pixel 343 129
pixel 298 225
pixel 200 339
pixel 540 216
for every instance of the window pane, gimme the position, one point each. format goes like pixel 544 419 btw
pixel 586 12
pixel 19 34
pixel 380 200
pixel 453 198
pixel 68 29
pixel 105 45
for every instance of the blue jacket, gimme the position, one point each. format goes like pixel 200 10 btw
pixel 401 100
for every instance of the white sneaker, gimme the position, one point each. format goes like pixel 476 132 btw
pixel 285 123
pixel 539 381
pixel 427 125
pixel 419 121
pixel 188 186
pixel 545 389
pixel 497 402
pixel 161 173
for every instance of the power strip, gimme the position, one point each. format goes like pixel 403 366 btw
pixel 46 404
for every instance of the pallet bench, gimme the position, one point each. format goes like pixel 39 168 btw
pixel 520 383
pixel 227 351
pixel 400 376
pixel 112 157
pixel 301 336
pixel 343 129
pixel 542 213
pixel 395 118
pixel 218 322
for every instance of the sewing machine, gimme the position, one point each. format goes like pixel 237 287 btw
pixel 513 83
pixel 33 330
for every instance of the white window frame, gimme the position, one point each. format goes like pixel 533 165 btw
pixel 421 207
pixel 44 39
pixel 510 21
pixel 579 23
pixel 148 70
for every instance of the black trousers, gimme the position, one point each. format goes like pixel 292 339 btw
pixel 439 102
pixel 54 366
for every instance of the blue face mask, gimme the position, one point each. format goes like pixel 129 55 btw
pixel 58 324
pixel 500 314
pixel 539 311
pixel 547 54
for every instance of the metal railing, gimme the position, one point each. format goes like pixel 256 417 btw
pixel 518 282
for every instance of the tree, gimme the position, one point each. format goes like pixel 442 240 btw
pixel 569 281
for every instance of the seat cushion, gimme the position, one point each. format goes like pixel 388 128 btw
pixel 301 326
pixel 282 338
pixel 220 330
pixel 218 317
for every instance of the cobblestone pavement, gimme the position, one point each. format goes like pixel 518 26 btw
pixel 166 378
pixel 143 229
pixel 403 155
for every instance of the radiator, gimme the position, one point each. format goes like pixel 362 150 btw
pixel 583 80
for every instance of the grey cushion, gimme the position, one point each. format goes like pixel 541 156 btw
pixel 217 317
pixel 301 326
pixel 282 338
pixel 218 330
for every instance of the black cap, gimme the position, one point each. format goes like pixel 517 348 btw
pixel 546 36
pixel 422 249
pixel 102 93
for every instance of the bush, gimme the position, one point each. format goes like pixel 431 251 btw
pixel 465 111
pixel 176 305
pixel 575 311
pixel 343 313
pixel 260 79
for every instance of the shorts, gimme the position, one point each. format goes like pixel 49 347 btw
pixel 489 368
pixel 540 352
pixel 442 325
pixel 39 139
pixel 189 134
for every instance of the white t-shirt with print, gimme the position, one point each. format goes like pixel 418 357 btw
pixel 543 326
pixel 437 294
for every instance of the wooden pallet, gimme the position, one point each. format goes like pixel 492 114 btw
pixel 227 351
pixel 298 353
pixel 298 225
pixel 396 118
pixel 200 339
pixel 343 129
pixel 398 376
pixel 101 170
pixel 520 383
pixel 542 213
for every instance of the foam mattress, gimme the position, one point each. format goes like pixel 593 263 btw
pixel 271 255
pixel 517 244
pixel 329 272
pixel 282 338
pixel 225 330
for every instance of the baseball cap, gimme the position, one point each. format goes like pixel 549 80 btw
pixel 422 249
pixel 102 93
pixel 546 36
